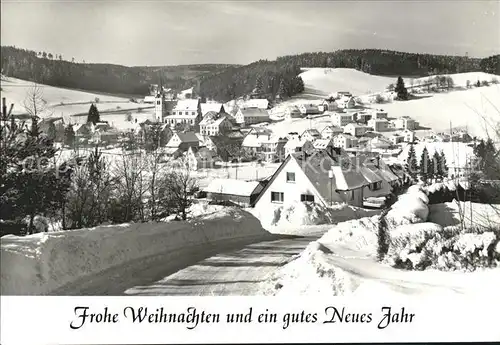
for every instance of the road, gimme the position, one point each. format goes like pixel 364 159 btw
pixel 223 269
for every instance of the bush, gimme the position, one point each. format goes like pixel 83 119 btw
pixel 379 99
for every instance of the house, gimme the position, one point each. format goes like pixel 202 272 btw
pixel 405 122
pixel 317 178
pixel 310 134
pixel 83 132
pixel 342 119
pixel 252 143
pixel 379 125
pixel 297 145
pixel 379 114
pixel 355 129
pixel 369 167
pixel 309 109
pixel 408 135
pixel 363 117
pixel 346 102
pixel 273 149
pixel 185 112
pixel 251 116
pixel 330 131
pixel 215 125
pixel 200 158
pixel 182 141
pixel 328 105
pixel 345 141
pixel 243 193
pixel 292 112
pixel 396 138
pixel 257 103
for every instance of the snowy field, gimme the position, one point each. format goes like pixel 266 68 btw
pixel 40 263
pixel 343 261
pixel 476 108
pixel 330 80
pixel 62 102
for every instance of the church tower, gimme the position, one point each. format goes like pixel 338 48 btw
pixel 159 107
pixel 159 103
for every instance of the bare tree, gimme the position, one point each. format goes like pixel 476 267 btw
pixel 34 103
pixel 181 185
pixel 131 185
pixel 158 205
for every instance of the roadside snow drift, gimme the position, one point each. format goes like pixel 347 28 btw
pixel 40 263
pixel 291 216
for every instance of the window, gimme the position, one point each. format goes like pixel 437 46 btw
pixel 375 186
pixel 306 197
pixel 277 197
pixel 192 113
pixel 158 102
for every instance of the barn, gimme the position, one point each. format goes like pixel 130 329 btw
pixel 243 193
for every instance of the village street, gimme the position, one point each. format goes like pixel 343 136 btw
pixel 222 269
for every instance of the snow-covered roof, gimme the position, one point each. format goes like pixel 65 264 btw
pixel 257 103
pixel 149 99
pixel 321 144
pixel 186 105
pixel 312 131
pixel 333 129
pixel 255 112
pixel 347 180
pixel 369 174
pixel 232 186
pixel 211 106
pixel 212 121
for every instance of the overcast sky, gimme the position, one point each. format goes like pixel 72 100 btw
pixel 160 32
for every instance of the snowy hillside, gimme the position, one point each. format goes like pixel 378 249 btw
pixel 324 81
pixel 477 109
pixel 62 102
pixel 329 80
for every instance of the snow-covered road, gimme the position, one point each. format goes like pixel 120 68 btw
pixel 223 269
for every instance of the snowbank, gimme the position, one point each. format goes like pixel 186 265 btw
pixel 40 263
pixel 310 273
pixel 296 214
pixel 410 207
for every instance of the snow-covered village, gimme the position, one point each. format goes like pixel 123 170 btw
pixel 350 172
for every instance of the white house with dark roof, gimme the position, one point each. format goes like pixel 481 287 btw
pixel 405 122
pixel 252 143
pixel 309 109
pixel 379 125
pixel 342 119
pixel 330 131
pixel 251 116
pixel 292 112
pixel 408 135
pixel 355 129
pixel 346 102
pixel 200 158
pixel 379 114
pixel 317 178
pixel 181 142
pixel 310 134
pixel 345 141
pixel 214 126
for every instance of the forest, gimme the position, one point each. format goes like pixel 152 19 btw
pixel 269 78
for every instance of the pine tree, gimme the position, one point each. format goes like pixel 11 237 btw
pixel 93 114
pixel 401 90
pixel 282 89
pixel 424 164
pixel 411 162
pixel 69 136
pixel 259 86
pixel 434 164
pixel 443 167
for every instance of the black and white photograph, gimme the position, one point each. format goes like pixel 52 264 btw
pixel 250 148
